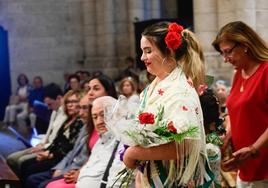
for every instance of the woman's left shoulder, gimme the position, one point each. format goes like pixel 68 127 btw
pixel 263 70
pixel 265 66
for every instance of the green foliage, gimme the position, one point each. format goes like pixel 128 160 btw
pixel 209 80
pixel 178 137
pixel 213 138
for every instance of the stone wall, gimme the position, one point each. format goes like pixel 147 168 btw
pixel 110 38
pixel 211 15
pixel 45 37
pixel 50 38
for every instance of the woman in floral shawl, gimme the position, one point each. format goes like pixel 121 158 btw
pixel 174 56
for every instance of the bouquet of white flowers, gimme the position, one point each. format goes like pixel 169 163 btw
pixel 143 129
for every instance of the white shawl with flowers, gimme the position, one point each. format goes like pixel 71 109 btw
pixel 169 111
pixel 182 107
pixel 179 99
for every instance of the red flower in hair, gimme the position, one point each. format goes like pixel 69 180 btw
pixel 174 27
pixel 173 38
pixel 146 118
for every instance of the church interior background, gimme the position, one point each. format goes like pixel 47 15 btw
pixel 50 38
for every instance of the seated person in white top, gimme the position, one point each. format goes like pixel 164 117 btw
pixel 18 104
pixel 52 97
pixel 91 174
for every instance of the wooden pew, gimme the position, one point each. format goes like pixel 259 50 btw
pixel 7 176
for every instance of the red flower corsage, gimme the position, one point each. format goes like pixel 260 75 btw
pixel 146 118
pixel 173 38
pixel 171 127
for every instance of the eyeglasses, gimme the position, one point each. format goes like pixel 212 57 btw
pixel 84 107
pixel 71 101
pixel 229 52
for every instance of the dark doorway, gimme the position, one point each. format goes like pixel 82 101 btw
pixel 4 72
pixel 185 12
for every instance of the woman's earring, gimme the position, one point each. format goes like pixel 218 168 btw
pixel 246 50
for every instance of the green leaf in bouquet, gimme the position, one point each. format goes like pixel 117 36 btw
pixel 191 132
pixel 178 137
pixel 159 115
pixel 126 175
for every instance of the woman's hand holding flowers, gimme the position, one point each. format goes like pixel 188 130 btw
pixel 128 159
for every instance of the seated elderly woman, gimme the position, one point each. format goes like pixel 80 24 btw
pixel 104 158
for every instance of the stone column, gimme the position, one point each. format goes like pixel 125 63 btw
pixel 226 12
pixel 89 15
pixel 262 16
pixel 205 22
pixel 245 11
pixel 135 13
pixel 122 43
pixel 105 28
pixel 106 34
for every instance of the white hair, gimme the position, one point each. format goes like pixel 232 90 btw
pixel 105 101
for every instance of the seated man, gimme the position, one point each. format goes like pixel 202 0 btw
pixel 52 97
pixel 104 158
pixel 36 94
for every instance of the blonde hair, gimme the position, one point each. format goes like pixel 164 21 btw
pixel 189 56
pixel 79 94
pixel 192 62
pixel 239 32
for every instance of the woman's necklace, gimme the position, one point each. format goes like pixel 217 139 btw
pixel 242 85
pixel 245 77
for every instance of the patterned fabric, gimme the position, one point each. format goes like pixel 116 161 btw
pixel 65 139
pixel 214 159
pixel 182 107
